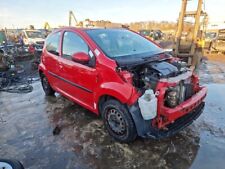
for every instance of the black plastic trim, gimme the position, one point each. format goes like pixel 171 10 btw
pixel 71 83
pixel 145 130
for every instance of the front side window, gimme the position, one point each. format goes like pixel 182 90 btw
pixel 52 43
pixel 73 43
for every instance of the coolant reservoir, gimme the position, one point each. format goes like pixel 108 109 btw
pixel 148 105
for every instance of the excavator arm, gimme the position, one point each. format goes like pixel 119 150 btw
pixel 72 16
pixel 194 50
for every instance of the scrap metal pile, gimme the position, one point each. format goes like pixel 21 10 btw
pixel 11 81
pixel 18 65
pixel 17 80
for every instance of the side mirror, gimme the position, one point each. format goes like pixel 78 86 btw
pixel 80 57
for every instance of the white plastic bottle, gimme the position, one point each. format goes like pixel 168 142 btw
pixel 148 105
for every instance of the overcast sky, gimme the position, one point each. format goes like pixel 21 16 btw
pixel 21 13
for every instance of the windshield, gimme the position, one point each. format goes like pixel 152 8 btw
pixel 121 42
pixel 210 35
pixel 34 34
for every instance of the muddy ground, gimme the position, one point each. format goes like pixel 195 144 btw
pixel 27 122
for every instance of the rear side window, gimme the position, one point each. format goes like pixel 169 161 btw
pixel 73 43
pixel 52 43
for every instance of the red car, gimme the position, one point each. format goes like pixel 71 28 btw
pixel 137 88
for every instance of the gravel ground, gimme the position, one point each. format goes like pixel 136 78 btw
pixel 28 121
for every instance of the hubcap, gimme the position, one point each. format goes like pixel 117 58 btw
pixel 116 121
pixel 4 165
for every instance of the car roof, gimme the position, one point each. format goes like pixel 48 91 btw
pixel 85 29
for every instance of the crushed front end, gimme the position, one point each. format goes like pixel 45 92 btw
pixel 180 102
pixel 177 97
pixel 180 98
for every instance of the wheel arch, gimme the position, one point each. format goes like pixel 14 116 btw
pixel 113 90
pixel 102 100
pixel 41 69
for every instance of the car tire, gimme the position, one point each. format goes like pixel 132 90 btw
pixel 46 86
pixel 118 121
pixel 10 164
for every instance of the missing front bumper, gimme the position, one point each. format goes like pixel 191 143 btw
pixel 178 125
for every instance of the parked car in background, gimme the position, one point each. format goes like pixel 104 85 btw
pixel 145 33
pixel 152 34
pixel 215 41
pixel 2 37
pixel 137 88
pixel 219 44
pixel 34 40
pixel 210 38
pixel 33 37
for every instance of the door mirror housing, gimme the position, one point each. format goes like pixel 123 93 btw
pixel 81 57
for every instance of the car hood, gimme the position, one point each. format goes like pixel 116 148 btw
pixel 138 59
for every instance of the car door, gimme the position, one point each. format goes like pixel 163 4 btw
pixel 50 58
pixel 78 80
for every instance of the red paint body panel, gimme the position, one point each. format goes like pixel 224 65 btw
pixel 99 81
pixel 86 85
pixel 185 107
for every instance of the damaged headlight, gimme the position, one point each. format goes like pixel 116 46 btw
pixel 176 95
pixel 172 97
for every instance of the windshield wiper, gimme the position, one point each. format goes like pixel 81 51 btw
pixel 153 57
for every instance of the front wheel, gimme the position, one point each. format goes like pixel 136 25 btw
pixel 118 121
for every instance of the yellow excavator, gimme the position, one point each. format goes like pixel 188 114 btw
pixel 190 48
pixel 47 26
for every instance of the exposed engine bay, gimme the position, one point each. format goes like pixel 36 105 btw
pixel 164 85
pixel 147 76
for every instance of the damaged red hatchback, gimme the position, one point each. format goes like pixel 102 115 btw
pixel 137 88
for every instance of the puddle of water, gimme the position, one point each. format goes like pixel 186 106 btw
pixel 211 152
pixel 212 125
